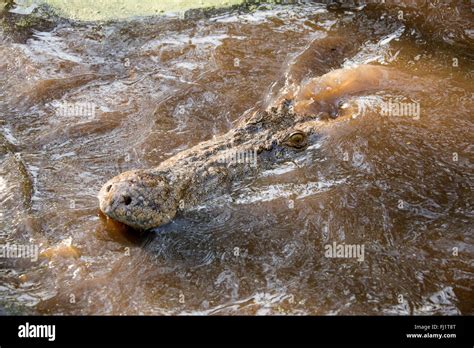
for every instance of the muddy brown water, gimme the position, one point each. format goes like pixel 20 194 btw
pixel 400 186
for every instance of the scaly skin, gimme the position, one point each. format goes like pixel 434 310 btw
pixel 145 199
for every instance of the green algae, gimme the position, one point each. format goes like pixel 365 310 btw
pixel 104 10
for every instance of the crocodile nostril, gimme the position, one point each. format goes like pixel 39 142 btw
pixel 107 189
pixel 127 200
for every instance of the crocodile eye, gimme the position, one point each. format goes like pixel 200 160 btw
pixel 297 139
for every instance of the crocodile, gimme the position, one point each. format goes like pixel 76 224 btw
pixel 298 119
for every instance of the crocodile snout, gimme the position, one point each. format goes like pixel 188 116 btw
pixel 138 199
pixel 115 195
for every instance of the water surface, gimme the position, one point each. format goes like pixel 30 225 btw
pixel 401 186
